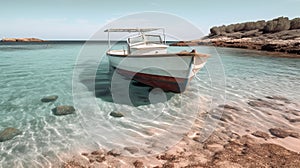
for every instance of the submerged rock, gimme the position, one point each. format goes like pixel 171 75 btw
pixel 261 134
pixel 63 110
pixel 278 98
pixel 132 149
pixel 292 120
pixel 116 114
pixel 49 98
pixel 226 106
pixel 265 104
pixel 280 133
pixel 9 133
pixel 114 152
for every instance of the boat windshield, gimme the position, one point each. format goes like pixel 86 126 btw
pixel 145 39
pixel 136 40
pixel 156 39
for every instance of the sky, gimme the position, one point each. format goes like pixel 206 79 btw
pixel 80 19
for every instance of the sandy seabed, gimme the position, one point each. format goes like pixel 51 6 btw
pixel 262 132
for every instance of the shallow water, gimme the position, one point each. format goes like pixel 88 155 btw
pixel 32 71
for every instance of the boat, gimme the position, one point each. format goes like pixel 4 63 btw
pixel 146 59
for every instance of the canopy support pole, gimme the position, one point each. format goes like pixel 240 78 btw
pixel 108 40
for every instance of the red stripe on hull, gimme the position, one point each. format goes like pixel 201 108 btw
pixel 166 83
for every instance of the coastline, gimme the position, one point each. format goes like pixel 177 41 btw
pixel 234 143
pixel 244 43
pixel 277 37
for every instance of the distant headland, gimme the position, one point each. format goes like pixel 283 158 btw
pixel 21 40
pixel 280 35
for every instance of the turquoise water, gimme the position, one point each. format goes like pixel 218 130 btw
pixel 32 71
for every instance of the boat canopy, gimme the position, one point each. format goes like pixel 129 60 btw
pixel 133 29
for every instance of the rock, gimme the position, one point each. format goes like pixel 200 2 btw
pixel 168 165
pixel 261 134
pixel 294 134
pixel 49 98
pixel 280 133
pixel 132 149
pixel 9 133
pixel 270 47
pixel 97 153
pixel 226 106
pixel 214 147
pixel 21 40
pixel 279 35
pixel 168 157
pixel 264 103
pixel 278 98
pixel 251 33
pixel 229 29
pixel 138 164
pixel 295 112
pixel 295 23
pixel 292 120
pixel 215 31
pixel 197 139
pixel 100 158
pixel 277 25
pixel 63 110
pixel 9 40
pixel 114 152
pixel 226 117
pixel 239 27
pixel 116 114
pixel 84 154
pixel 254 25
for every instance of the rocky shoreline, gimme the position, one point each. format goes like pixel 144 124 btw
pixel 21 40
pixel 280 35
pixel 234 143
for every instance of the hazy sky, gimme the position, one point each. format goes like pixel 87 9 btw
pixel 79 19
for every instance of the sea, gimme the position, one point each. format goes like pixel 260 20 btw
pixel 154 120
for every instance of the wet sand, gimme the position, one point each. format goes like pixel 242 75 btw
pixel 261 132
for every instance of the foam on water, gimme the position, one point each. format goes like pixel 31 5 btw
pixel 30 72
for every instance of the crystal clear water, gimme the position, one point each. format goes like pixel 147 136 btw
pixel 32 71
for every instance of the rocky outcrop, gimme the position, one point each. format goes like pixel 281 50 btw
pixel 272 26
pixel 63 110
pixel 21 40
pixel 279 35
pixel 277 25
pixel 248 26
pixel 9 133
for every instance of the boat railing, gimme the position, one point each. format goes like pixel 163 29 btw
pixel 136 30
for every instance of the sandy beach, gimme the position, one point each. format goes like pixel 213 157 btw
pixel 263 132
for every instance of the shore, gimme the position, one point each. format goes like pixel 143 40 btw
pixel 263 134
pixel 280 48
pixel 278 37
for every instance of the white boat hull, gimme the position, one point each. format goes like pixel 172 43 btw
pixel 169 72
